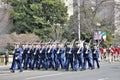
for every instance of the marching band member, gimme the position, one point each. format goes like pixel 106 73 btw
pixel 118 53
pixel 95 55
pixel 17 58
pixel 69 56
pixel 79 56
pixel 87 57
pixel 101 57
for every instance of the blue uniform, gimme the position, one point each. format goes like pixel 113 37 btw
pixel 87 57
pixel 60 58
pixel 39 58
pixel 44 58
pixel 95 55
pixel 17 59
pixel 31 58
pixel 69 57
pixel 57 57
pixel 79 61
pixel 51 57
pixel 25 58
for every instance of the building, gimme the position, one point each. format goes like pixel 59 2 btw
pixel 69 4
pixel 117 21
pixel 117 15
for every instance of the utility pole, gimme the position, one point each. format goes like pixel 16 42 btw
pixel 79 35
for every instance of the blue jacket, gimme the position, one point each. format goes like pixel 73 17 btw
pixel 95 53
pixel 69 52
pixel 79 52
pixel 62 51
pixel 18 54
pixel 87 53
pixel 25 53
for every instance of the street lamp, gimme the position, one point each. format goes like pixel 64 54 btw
pixel 79 35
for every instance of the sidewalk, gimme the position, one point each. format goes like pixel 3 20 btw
pixel 3 65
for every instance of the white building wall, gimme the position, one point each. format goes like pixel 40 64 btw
pixel 117 21
pixel 117 14
pixel 69 4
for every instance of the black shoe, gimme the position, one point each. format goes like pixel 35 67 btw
pixel 66 70
pixel 75 69
pixel 38 68
pixel 92 68
pixel 21 71
pixel 83 69
pixel 13 71
pixel 98 68
pixel 56 69
pixel 32 68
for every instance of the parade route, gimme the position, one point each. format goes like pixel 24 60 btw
pixel 60 40
pixel 107 71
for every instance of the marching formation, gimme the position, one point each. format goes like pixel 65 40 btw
pixel 110 53
pixel 57 55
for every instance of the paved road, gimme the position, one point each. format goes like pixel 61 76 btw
pixel 106 72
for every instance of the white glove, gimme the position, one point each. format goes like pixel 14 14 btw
pixel 16 58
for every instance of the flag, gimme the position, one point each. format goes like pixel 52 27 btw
pixel 97 35
pixel 104 36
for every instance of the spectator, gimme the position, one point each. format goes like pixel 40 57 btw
pixel 6 57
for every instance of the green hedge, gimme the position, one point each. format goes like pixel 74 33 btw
pixel 1 53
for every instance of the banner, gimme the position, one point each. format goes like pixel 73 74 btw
pixel 97 35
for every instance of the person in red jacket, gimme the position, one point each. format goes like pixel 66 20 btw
pixel 118 53
pixel 113 51
pixel 110 52
pixel 101 53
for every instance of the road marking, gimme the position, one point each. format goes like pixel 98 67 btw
pixel 42 76
pixel 8 73
pixel 106 78
pixel 4 74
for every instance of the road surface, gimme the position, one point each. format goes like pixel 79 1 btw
pixel 107 71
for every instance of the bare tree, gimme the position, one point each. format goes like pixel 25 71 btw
pixel 90 10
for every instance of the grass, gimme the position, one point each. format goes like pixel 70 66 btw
pixel 2 63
